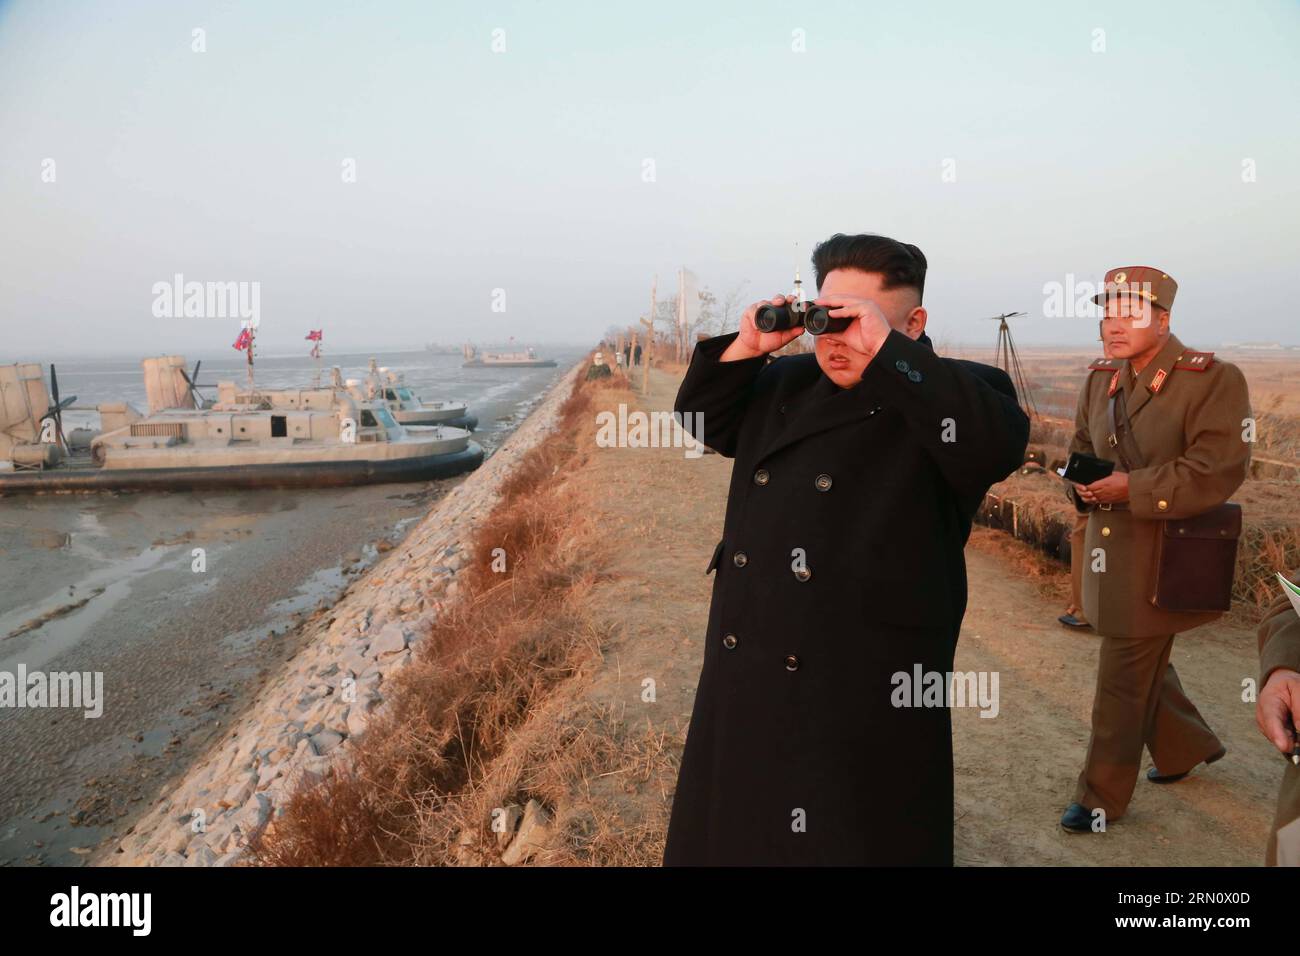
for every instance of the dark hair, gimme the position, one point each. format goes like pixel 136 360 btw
pixel 899 264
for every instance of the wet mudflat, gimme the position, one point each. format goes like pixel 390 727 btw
pixel 184 603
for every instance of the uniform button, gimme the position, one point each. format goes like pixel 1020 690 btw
pixel 791 663
pixel 740 559
pixel 823 483
pixel 729 642
pixel 803 574
pixel 761 476
pixel 914 376
pixel 1162 505
pixel 1105 532
pixel 902 366
pixel 781 409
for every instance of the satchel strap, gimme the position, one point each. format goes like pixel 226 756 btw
pixel 1121 433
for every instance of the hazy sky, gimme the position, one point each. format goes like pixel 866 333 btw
pixel 525 170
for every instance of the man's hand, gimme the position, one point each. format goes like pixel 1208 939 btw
pixel 1277 710
pixel 870 328
pixel 751 343
pixel 1105 491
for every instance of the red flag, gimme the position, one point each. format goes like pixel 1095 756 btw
pixel 315 335
pixel 245 340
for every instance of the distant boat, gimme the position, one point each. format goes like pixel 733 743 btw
pixel 525 359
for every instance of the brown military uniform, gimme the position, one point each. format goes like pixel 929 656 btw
pixel 1077 533
pixel 1186 411
pixel 1279 646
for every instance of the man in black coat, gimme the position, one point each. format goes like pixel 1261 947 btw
pixel 840 577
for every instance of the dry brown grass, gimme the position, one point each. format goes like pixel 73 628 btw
pixel 1053 433
pixel 481 718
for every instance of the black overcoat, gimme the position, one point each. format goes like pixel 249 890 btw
pixel 841 564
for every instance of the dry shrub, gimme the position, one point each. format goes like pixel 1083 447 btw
pixel 575 756
pixel 491 660
pixel 1032 508
pixel 1055 432
pixel 1278 434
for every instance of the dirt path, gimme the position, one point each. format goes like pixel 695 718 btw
pixel 1014 773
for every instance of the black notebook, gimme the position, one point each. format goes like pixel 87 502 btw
pixel 1085 469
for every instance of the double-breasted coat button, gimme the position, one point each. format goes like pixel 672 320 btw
pixel 761 476
pixel 914 376
pixel 803 574
pixel 729 642
pixel 902 366
pixel 740 559
pixel 791 663
pixel 822 483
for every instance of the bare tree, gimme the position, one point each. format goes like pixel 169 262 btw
pixel 732 307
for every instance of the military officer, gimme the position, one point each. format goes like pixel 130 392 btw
pixel 840 582
pixel 1184 416
pixel 1277 711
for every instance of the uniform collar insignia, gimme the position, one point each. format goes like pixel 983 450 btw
pixel 1154 375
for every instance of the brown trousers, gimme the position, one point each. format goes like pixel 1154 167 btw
pixel 1076 563
pixel 1139 701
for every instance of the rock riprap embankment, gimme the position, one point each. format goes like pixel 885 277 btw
pixel 324 697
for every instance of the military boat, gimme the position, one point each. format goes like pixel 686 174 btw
pixel 247 438
pixel 525 359
pixel 407 407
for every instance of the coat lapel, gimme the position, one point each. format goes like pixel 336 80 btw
pixel 821 407
pixel 1161 365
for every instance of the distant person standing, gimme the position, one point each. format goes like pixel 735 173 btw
pixel 636 356
pixel 1172 420
pixel 627 356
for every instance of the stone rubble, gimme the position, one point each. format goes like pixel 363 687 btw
pixel 307 717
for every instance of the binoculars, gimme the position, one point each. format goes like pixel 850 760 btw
pixel 815 319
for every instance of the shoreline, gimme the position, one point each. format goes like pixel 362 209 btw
pixel 323 696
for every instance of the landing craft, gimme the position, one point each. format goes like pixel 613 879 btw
pixel 245 439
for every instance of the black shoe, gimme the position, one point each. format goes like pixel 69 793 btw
pixel 1155 776
pixel 1077 819
pixel 1069 620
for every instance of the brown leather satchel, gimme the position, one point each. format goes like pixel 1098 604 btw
pixel 1196 557
pixel 1195 561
